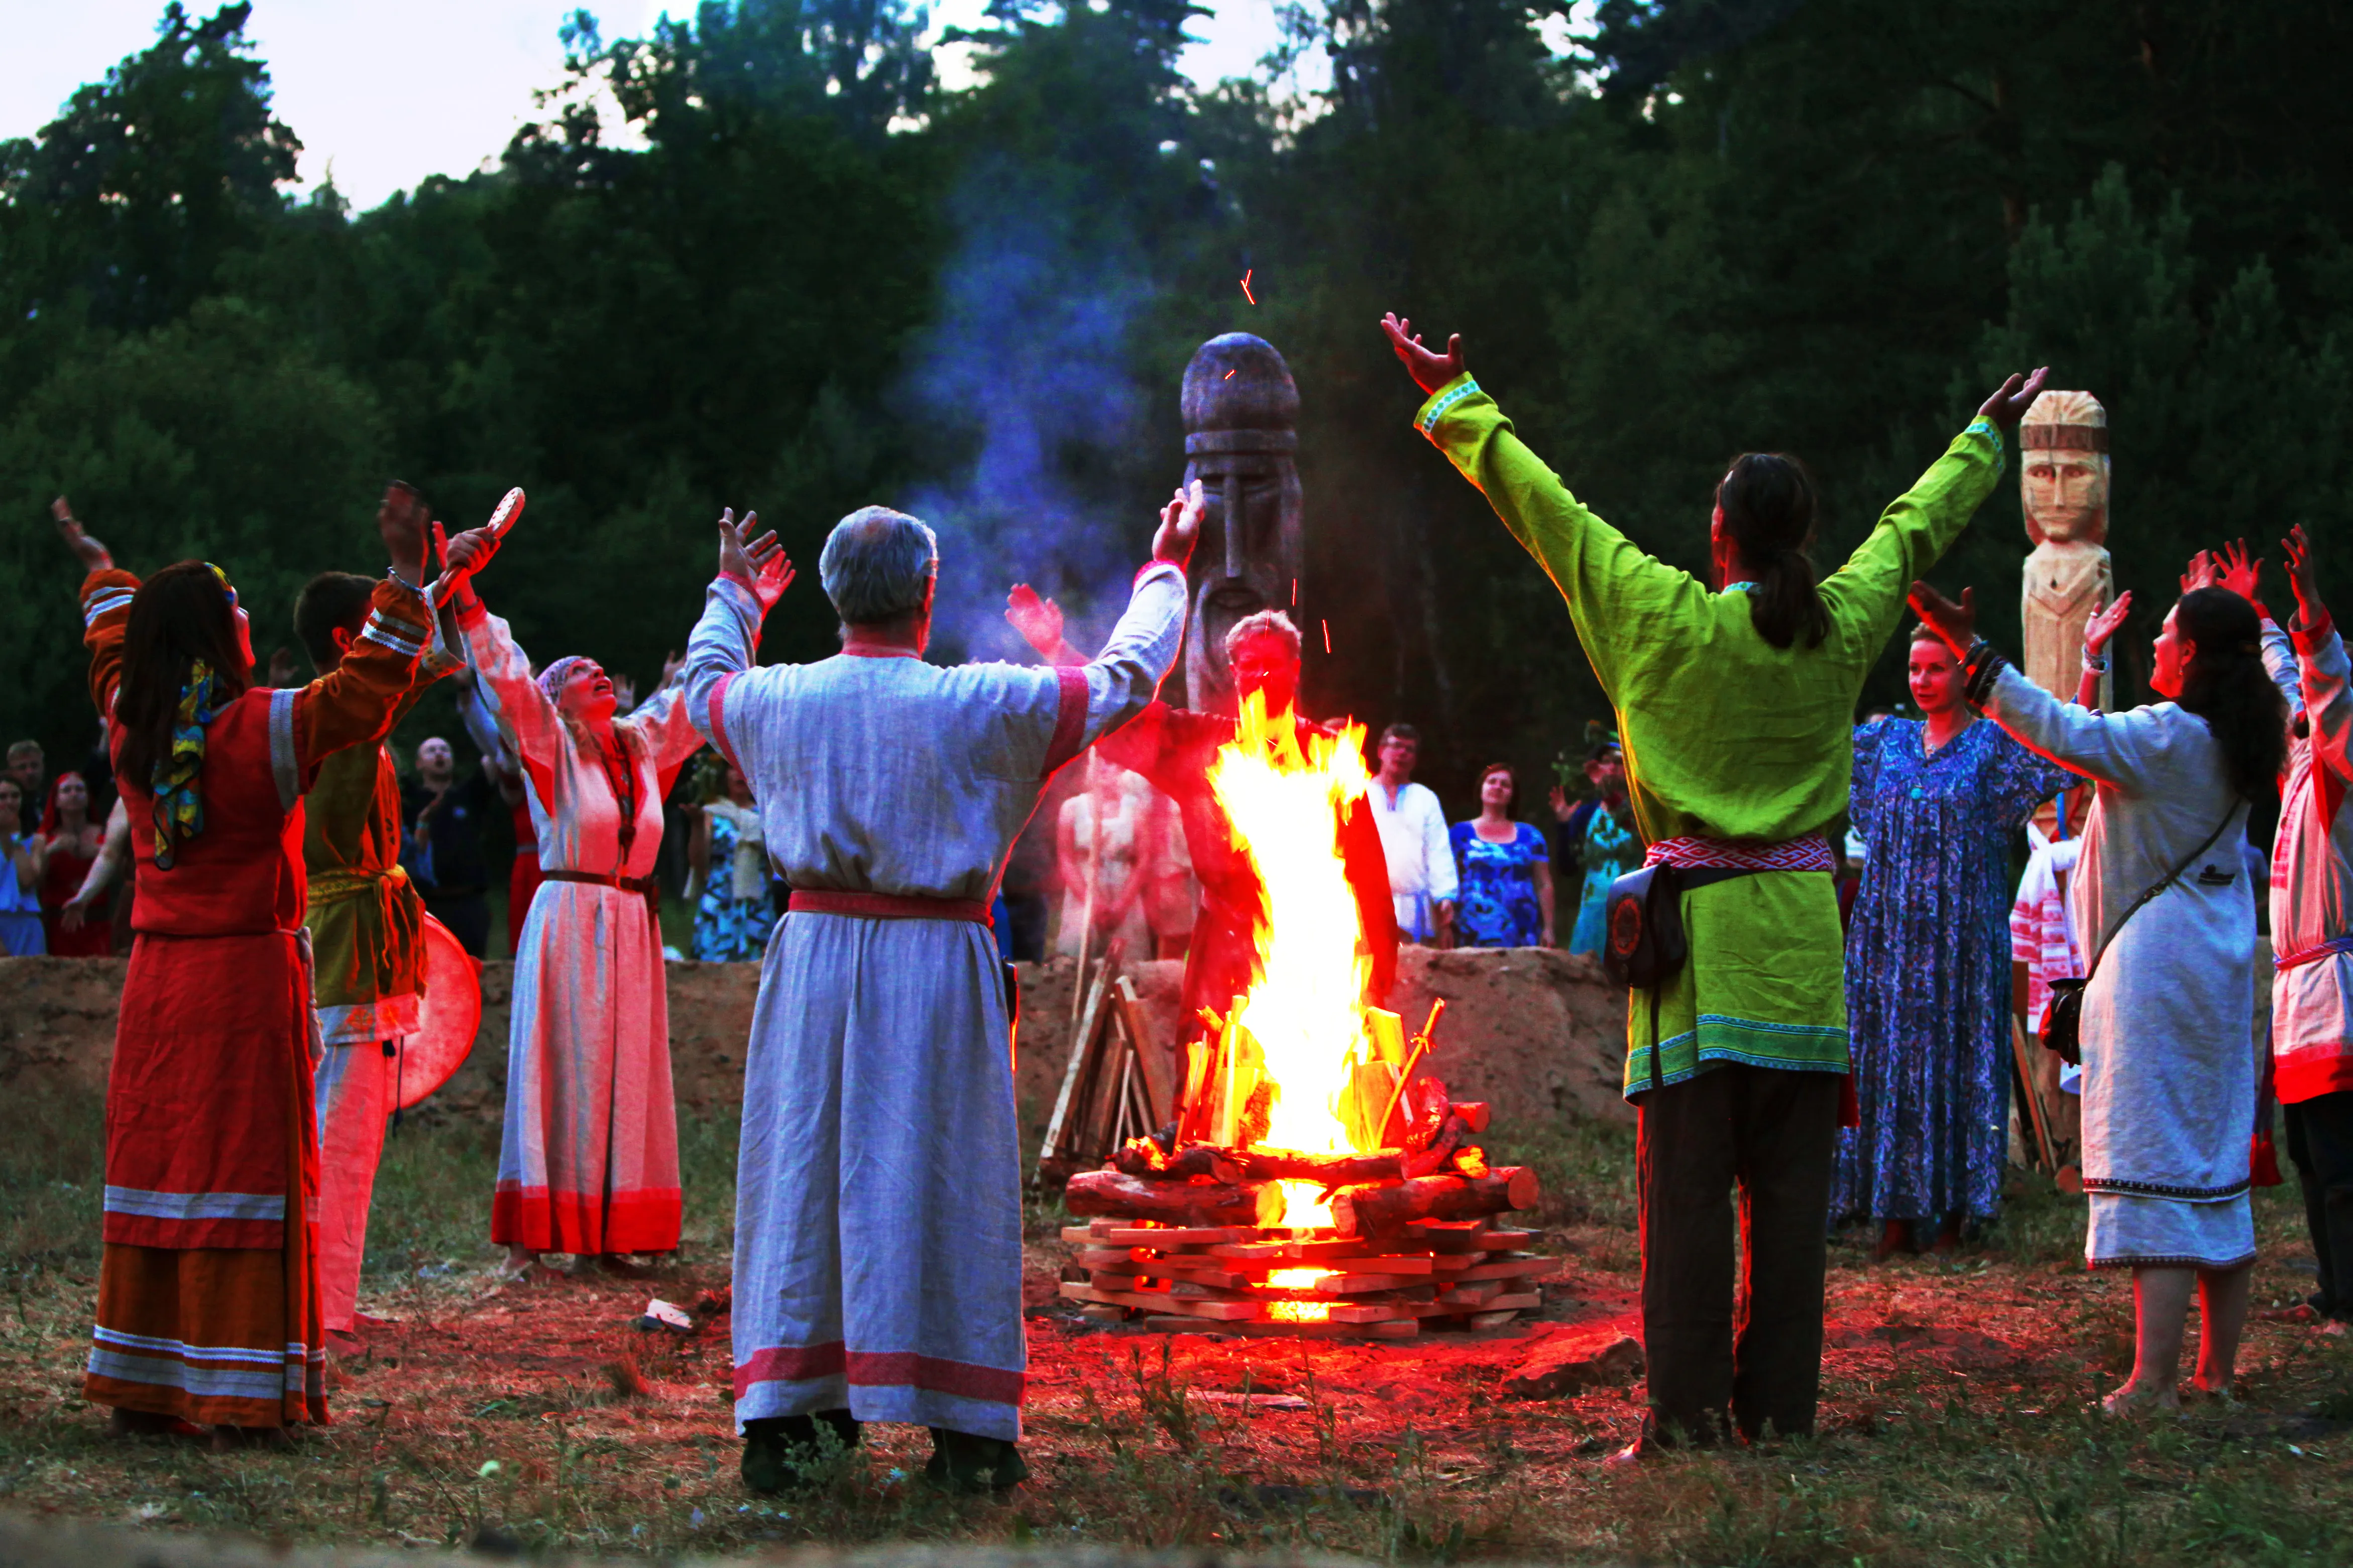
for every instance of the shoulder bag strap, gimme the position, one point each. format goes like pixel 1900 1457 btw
pixel 2170 877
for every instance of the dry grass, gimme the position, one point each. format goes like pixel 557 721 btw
pixel 1954 1426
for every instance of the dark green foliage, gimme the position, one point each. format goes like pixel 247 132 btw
pixel 1716 225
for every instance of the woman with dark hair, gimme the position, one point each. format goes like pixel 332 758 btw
pixel 588 1153
pixel 21 868
pixel 1938 799
pixel 1505 881
pixel 1597 838
pixel 208 1294
pixel 2162 899
pixel 1736 704
pixel 70 840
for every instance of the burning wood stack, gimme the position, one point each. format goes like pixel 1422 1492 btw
pixel 1204 1223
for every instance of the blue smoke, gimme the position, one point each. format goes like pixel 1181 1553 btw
pixel 1026 360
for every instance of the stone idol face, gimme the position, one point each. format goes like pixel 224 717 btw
pixel 1241 440
pixel 2063 468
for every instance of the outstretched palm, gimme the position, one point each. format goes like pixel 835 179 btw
pixel 1957 624
pixel 1038 620
pixel 1430 371
pixel 756 560
pixel 2105 623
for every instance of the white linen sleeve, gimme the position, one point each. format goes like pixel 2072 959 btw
pixel 1438 853
pixel 1122 680
pixel 2328 704
pixel 526 718
pixel 2279 663
pixel 720 647
pixel 2114 748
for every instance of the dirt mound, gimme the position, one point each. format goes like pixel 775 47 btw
pixel 1537 1034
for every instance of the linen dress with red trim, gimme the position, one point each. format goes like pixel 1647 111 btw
pixel 878 1210
pixel 589 1156
pixel 208 1295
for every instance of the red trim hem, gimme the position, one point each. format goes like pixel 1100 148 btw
pixel 2295 1082
pixel 186 1235
pixel 647 1220
pixel 881 1369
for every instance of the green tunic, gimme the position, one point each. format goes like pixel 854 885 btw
pixel 1725 735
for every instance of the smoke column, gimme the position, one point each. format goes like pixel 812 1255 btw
pixel 1026 369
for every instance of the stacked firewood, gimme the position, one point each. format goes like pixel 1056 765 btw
pixel 1195 1232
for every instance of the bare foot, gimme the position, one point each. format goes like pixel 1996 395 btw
pixel 2131 1403
pixel 518 1267
pixel 2220 1393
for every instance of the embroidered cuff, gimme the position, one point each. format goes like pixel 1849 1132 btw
pixel 1993 433
pixel 402 638
pixel 1984 666
pixel 103 600
pixel 1439 402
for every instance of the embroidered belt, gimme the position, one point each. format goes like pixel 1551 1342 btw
pixel 887 906
pixel 1809 853
pixel 2329 948
pixel 326 885
pixel 643 886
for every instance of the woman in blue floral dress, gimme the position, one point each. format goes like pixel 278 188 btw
pixel 1927 960
pixel 733 915
pixel 1506 899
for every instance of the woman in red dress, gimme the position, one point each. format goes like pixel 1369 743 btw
pixel 73 841
pixel 207 1298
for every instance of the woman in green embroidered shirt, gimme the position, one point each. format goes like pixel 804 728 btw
pixel 1736 704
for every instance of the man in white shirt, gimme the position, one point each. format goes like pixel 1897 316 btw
pixel 1413 836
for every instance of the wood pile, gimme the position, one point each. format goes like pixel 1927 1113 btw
pixel 1242 1280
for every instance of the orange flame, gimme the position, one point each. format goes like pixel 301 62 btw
pixel 1304 1012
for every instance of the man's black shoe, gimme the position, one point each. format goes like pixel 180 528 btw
pixel 787 1453
pixel 964 1463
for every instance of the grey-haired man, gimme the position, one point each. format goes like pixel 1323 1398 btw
pixel 878 1221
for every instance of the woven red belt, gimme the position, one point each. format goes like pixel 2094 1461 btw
pixel 638 885
pixel 886 905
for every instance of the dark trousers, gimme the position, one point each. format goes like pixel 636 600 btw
pixel 2320 1142
pixel 1771 1132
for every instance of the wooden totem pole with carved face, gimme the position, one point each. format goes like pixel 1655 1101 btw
pixel 2063 483
pixel 1241 441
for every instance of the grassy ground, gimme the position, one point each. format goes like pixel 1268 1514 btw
pixel 1954 1427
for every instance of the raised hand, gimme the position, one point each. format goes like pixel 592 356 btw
pixel 2304 577
pixel 670 667
pixel 755 561
pixel 1957 624
pixel 463 556
pixel 1180 526
pixel 625 693
pixel 403 523
pixel 92 555
pixel 1039 621
pixel 1429 371
pixel 2235 572
pixel 2105 623
pixel 2011 399
pixel 2200 573
pixel 1558 801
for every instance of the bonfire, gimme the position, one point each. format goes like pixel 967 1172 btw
pixel 1316 1179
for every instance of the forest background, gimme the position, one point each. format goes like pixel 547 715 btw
pixel 823 281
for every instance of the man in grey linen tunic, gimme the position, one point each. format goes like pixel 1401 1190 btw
pixel 878 1231
pixel 2167 1024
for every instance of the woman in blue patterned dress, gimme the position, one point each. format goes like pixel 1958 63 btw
pixel 1506 899
pixel 733 916
pixel 1927 960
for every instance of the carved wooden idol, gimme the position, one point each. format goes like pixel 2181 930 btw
pixel 2064 481
pixel 1241 440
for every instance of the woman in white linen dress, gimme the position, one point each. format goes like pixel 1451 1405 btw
pixel 2167 1026
pixel 588 1150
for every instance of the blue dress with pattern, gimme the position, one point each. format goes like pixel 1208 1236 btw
pixel 1927 969
pixel 729 930
pixel 1496 906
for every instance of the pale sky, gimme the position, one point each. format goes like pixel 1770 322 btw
pixel 390 93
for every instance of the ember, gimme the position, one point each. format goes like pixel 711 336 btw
pixel 1311 1180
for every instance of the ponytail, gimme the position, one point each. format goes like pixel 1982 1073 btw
pixel 1767 501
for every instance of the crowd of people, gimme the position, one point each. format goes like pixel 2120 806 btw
pixel 854 825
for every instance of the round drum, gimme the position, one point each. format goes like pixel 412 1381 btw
pixel 453 1011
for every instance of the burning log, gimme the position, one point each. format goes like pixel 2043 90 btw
pixel 1474 1114
pixel 1144 1158
pixel 1326 1170
pixel 1123 1196
pixel 1362 1210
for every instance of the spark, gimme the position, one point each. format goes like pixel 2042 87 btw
pixel 1327 636
pixel 1230 374
pixel 1295 592
pixel 1246 288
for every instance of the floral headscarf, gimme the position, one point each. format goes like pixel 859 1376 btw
pixel 551 678
pixel 179 810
